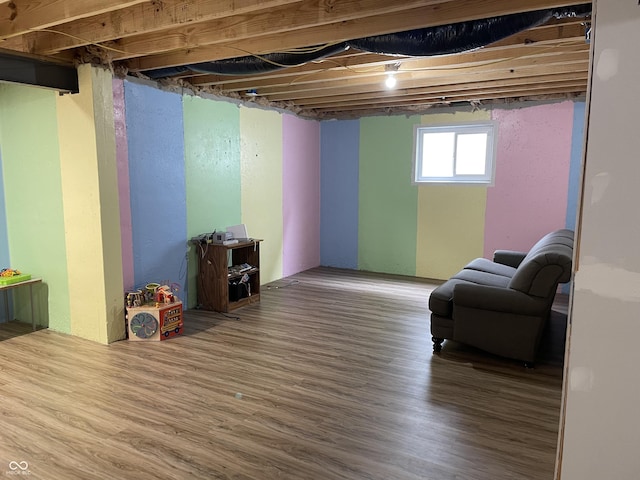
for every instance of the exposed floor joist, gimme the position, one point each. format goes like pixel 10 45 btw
pixel 141 36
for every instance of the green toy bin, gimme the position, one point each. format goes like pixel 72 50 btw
pixel 15 279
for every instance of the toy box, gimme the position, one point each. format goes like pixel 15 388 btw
pixel 154 321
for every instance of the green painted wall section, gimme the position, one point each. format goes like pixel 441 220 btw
pixel 451 218
pixel 261 172
pixel 212 171
pixel 388 200
pixel 33 191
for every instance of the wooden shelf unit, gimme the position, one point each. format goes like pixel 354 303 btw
pixel 214 260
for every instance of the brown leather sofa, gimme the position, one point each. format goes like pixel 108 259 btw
pixel 502 306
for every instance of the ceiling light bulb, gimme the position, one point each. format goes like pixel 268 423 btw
pixel 391 81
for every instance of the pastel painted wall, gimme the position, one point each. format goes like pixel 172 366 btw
pixel 300 194
pixel 169 166
pixel 4 239
pixel 388 206
pixel 32 188
pixel 432 231
pixel 261 167
pixel 124 174
pixel 5 259
pixel 450 218
pixel 212 169
pixel 124 190
pixel 200 164
pixel 575 168
pixel 533 160
pixel 339 192
pixel 155 134
pixel 91 207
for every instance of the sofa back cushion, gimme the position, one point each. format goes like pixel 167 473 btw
pixel 547 264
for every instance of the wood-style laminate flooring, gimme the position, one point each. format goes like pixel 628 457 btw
pixel 331 376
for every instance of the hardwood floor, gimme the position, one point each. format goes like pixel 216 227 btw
pixel 331 376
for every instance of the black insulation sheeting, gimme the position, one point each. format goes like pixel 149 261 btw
pixel 251 64
pixel 464 36
pixel 440 40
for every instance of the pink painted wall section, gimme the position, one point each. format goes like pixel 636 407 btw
pixel 529 198
pixel 122 161
pixel 301 194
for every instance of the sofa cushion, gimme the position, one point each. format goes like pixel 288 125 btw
pixel 482 278
pixel 441 299
pixel 484 265
pixel 547 264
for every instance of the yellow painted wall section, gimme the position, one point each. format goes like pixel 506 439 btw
pixel 109 202
pixel 261 185
pixel 90 203
pixel 450 217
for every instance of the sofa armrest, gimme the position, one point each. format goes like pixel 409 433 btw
pixel 509 257
pixel 497 299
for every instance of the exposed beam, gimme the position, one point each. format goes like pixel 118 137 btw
pixel 21 16
pixel 145 18
pixel 274 21
pixel 32 70
pixel 428 76
pixel 439 90
pixel 418 108
pixel 429 80
pixel 480 95
pixel 426 16
pixel 515 45
pixel 327 72
pixel 472 92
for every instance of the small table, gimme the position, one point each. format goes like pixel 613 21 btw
pixel 6 288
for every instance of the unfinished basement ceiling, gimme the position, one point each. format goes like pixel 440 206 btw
pixel 342 50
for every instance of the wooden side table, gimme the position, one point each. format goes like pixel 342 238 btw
pixel 217 268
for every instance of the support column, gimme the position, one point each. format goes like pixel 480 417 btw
pixel 91 207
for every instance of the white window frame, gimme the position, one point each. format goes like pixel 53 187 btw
pixel 487 127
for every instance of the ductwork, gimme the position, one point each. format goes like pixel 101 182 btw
pixel 441 40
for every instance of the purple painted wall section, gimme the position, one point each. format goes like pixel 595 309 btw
pixel 301 194
pixel 529 198
pixel 122 160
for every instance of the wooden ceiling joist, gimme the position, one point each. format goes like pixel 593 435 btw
pixel 142 35
pixel 547 81
pixel 541 41
pixel 409 68
pixel 339 31
pixel 144 18
pixel 562 64
pixel 23 16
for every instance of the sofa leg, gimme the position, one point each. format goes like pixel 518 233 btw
pixel 437 344
pixel 528 365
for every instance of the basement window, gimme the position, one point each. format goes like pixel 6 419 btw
pixel 461 153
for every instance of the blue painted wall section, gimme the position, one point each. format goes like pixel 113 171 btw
pixel 575 171
pixel 157 181
pixel 339 173
pixel 575 167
